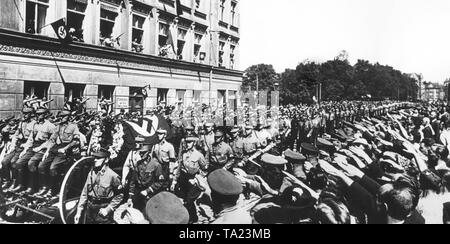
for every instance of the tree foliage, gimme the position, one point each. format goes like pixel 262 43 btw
pixel 264 73
pixel 340 81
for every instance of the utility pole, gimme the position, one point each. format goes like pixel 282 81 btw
pixel 257 89
pixel 320 93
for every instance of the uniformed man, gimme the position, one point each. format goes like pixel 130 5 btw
pixel 228 202
pixel 296 162
pixel 185 183
pixel 189 131
pixel 101 194
pixel 250 145
pixel 15 149
pixel 264 137
pixel 221 154
pixel 207 139
pixel 272 170
pixel 35 149
pixel 236 144
pixel 65 138
pixel 134 156
pixel 164 153
pixel 147 179
pixel 8 148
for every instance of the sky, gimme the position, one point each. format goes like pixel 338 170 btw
pixel 412 36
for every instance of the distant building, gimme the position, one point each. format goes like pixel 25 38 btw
pixel 433 92
pixel 186 50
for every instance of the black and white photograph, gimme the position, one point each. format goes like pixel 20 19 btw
pixel 228 113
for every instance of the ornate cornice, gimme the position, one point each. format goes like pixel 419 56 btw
pixel 43 47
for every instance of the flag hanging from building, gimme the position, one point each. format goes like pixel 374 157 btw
pixel 172 39
pixel 61 30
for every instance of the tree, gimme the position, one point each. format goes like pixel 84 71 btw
pixel 340 80
pixel 266 75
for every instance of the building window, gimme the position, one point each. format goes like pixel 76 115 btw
pixel 106 92
pixel 76 10
pixel 138 33
pixel 197 97
pixel 162 95
pixel 233 13
pixel 36 15
pixel 197 47
pixel 222 9
pixel 163 39
pixel 107 23
pixel 180 96
pixel 36 89
pixel 181 43
pixel 221 52
pixel 73 94
pixel 73 91
pixel 221 98
pixel 232 50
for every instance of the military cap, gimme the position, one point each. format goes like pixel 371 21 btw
pixel 272 215
pixel 102 153
pixel 41 111
pixel 340 137
pixel 324 153
pixel 294 156
pixel 325 145
pixel 218 134
pixel 309 149
pixel 65 113
pixel 166 208
pixel 145 148
pixel 273 160
pixel 361 141
pixel 234 130
pixel 224 183
pixel 139 140
pixel 189 128
pixel 27 110
pixel 161 131
pixel 295 197
pixel 191 139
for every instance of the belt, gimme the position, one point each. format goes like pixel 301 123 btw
pixel 96 201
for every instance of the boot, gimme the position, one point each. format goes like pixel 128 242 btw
pixel 50 194
pixel 32 184
pixel 29 191
pixel 41 192
pixel 6 185
pixel 20 183
pixel 44 185
pixel 19 188
pixel 13 185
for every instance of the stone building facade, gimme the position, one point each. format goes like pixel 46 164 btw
pixel 185 50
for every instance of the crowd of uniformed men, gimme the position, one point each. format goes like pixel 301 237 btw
pixel 282 170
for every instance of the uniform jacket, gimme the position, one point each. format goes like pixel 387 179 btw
pixel 149 177
pixel 103 186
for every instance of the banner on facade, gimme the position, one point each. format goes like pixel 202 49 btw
pixel 61 30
